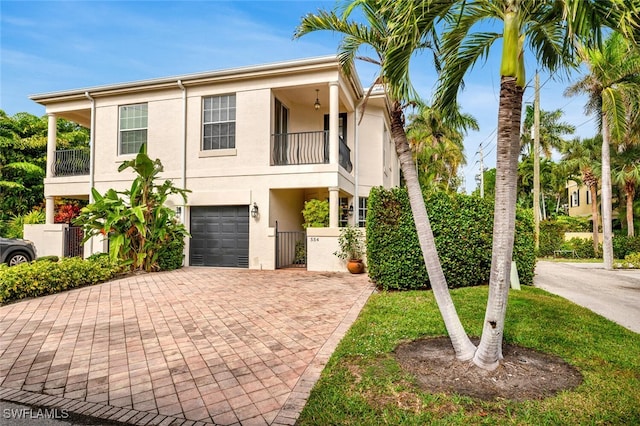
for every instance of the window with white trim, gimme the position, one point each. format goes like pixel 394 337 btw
pixel 133 128
pixel 575 199
pixel 219 122
pixel 362 212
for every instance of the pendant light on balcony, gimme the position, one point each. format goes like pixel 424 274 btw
pixel 316 105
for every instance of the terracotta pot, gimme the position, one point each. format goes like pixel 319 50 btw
pixel 355 266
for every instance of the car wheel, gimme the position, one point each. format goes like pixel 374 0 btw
pixel 18 258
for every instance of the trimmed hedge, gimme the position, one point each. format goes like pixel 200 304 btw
pixel 462 226
pixel 40 278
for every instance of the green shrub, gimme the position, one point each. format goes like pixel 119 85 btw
pixel 316 214
pixel 462 226
pixel 171 255
pixel 48 259
pixel 41 278
pixel 15 225
pixel 623 246
pixel 551 237
pixel 575 224
pixel 632 259
pixel 582 246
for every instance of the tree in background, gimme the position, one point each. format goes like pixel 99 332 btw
pixel 612 84
pixel 438 147
pixel 23 150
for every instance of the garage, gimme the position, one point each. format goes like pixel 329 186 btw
pixel 220 236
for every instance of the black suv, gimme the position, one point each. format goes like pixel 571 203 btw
pixel 16 251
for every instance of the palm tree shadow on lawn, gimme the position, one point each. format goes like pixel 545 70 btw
pixel 523 374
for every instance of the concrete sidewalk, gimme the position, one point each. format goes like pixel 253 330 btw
pixel 613 294
pixel 193 346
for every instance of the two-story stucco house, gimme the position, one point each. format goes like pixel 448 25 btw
pixel 252 144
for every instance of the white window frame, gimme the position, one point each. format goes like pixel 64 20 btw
pixel 134 124
pixel 219 116
pixel 362 211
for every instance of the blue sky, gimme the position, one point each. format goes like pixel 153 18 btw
pixel 57 45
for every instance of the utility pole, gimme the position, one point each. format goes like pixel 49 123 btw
pixel 481 173
pixel 536 162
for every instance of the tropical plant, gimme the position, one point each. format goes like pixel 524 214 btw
pixel 625 165
pixel 15 226
pixel 136 221
pixel 611 85
pixel 437 147
pixel 395 31
pixel 552 130
pixel 23 149
pixel 583 158
pixel 552 30
pixel 351 243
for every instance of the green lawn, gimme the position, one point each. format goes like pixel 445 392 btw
pixel 363 384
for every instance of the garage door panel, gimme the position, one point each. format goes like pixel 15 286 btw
pixel 220 236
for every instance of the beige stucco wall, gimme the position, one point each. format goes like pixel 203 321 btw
pixel 243 175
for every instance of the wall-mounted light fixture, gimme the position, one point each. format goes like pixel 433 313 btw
pixel 316 105
pixel 254 210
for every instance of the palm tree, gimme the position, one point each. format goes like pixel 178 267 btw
pixel 438 147
pixel 626 173
pixel 551 131
pixel 394 32
pixel 584 157
pixel 613 80
pixel 550 29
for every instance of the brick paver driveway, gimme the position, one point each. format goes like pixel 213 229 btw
pixel 193 346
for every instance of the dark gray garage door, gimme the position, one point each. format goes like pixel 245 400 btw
pixel 220 236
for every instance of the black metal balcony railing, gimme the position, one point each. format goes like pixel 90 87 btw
pixel 306 148
pixel 71 162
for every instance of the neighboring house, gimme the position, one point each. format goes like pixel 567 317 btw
pixel 252 144
pixel 580 200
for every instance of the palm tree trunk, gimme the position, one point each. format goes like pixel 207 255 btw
pixel 630 193
pixel 462 345
pixel 489 350
pixel 607 227
pixel 594 217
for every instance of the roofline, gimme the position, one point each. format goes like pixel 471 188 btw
pixel 199 78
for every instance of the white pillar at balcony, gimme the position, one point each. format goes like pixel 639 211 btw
pixel 334 205
pixel 51 144
pixel 334 114
pixel 49 209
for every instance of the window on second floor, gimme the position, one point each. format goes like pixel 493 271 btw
pixel 575 199
pixel 133 128
pixel 219 122
pixel 588 192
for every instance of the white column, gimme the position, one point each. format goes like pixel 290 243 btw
pixel 334 111
pixel 49 209
pixel 334 207
pixel 51 143
pixel 52 130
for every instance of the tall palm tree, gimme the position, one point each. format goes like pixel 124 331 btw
pixel 438 147
pixel 394 32
pixel 626 173
pixel 613 80
pixel 584 157
pixel 551 29
pixel 552 130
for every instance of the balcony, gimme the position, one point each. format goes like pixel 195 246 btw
pixel 70 162
pixel 306 148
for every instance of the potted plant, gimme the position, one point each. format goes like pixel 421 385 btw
pixel 351 248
